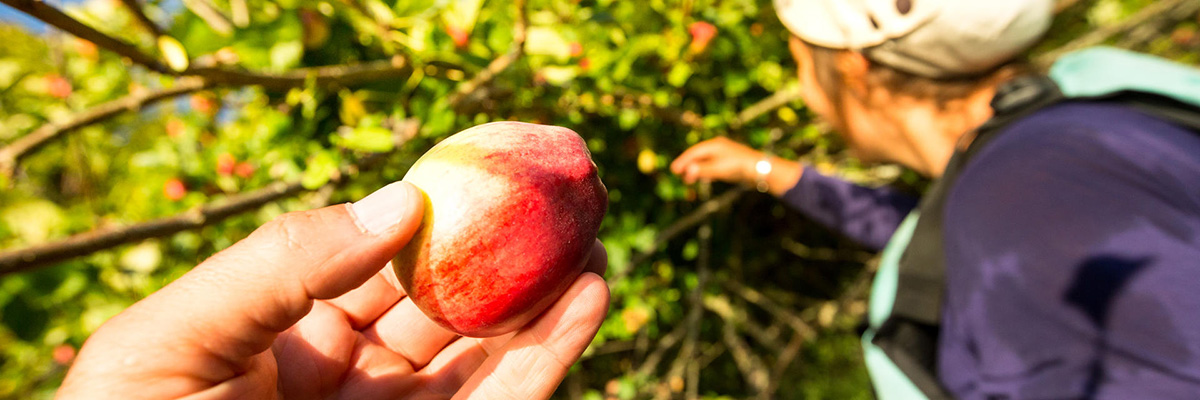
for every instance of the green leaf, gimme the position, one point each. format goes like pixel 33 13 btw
pixel 545 41
pixel 370 139
pixel 679 74
pixel 321 168
pixel 173 51
pixel 286 54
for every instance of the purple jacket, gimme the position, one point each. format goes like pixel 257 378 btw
pixel 1073 256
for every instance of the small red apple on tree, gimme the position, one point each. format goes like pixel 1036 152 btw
pixel 175 127
pixel 174 189
pixel 57 86
pixel 458 35
pixel 512 212
pixel 225 164
pixel 576 49
pixel 702 33
pixel 63 354
pixel 244 169
pixel 203 103
pixel 87 49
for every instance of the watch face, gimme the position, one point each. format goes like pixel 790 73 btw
pixel 763 167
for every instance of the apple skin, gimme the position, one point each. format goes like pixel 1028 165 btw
pixel 512 213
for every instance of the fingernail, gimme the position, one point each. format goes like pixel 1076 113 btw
pixel 385 208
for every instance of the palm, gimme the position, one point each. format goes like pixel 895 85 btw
pixel 339 348
pixel 373 342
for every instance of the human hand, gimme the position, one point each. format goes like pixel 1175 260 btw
pixel 307 306
pixel 717 159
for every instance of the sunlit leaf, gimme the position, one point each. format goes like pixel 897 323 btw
pixel 173 52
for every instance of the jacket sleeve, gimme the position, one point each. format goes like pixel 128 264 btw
pixel 866 215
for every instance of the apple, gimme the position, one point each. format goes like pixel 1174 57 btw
pixel 512 212
pixel 244 169
pixel 57 86
pixel 174 189
pixel 702 33
pixel 63 354
pixel 87 50
pixel 576 49
pixel 225 164
pixel 460 36
pixel 203 103
pixel 175 127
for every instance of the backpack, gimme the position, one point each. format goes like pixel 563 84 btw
pixel 900 343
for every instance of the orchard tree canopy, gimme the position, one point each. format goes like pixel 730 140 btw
pixel 139 137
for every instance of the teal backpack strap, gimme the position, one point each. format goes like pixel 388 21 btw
pixel 1153 85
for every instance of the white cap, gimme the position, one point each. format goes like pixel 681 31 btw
pixel 931 38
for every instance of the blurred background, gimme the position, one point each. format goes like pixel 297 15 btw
pixel 138 137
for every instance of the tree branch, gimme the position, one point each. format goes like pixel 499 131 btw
pixel 135 7
pixel 681 225
pixel 1156 9
pixel 500 63
pixel 780 312
pixel 211 16
pixel 335 75
pixel 339 75
pixel 91 242
pixel 23 145
pixel 788 94
pixel 650 364
pixel 754 371
pixel 57 19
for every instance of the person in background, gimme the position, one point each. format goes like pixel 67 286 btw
pixel 307 307
pixel 1057 252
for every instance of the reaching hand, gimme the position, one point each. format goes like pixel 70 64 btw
pixel 308 307
pixel 717 159
pixel 721 159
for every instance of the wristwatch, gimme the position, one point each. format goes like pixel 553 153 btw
pixel 763 169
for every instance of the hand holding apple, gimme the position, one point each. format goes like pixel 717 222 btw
pixel 306 307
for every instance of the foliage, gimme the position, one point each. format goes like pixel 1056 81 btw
pixel 640 81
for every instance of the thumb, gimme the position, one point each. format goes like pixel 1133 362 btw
pixel 236 302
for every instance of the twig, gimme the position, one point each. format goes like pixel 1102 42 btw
pixel 706 209
pixel 339 75
pixel 786 357
pixel 696 313
pixel 1155 9
pixel 90 242
pixel 1153 28
pixel 753 369
pixel 135 7
pixel 18 148
pixel 500 63
pixel 240 13
pixel 329 75
pixel 211 16
pixel 1062 5
pixel 336 75
pixel 782 313
pixel 788 94
pixel 721 306
pixel 666 343
pixel 57 19
pixel 630 99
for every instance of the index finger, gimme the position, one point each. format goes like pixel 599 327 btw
pixel 696 153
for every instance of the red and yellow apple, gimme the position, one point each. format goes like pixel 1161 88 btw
pixel 512 212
